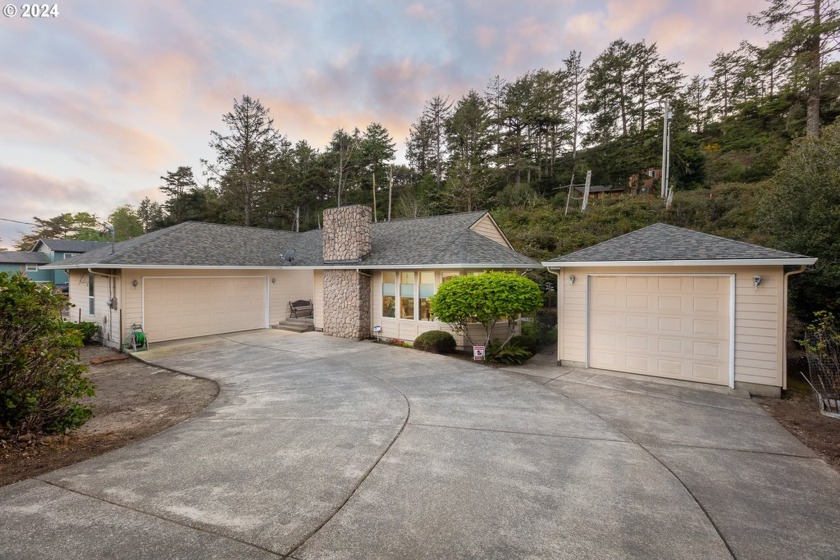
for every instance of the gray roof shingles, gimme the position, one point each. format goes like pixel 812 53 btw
pixel 438 240
pixel 662 242
pixel 23 257
pixel 73 245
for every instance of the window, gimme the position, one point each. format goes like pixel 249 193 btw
pixel 407 295
pixel 389 292
pixel 427 290
pixel 91 309
pixel 69 255
pixel 444 276
pixel 32 268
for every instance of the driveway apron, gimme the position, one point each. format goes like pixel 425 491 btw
pixel 325 448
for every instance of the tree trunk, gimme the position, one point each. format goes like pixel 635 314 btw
pixel 813 47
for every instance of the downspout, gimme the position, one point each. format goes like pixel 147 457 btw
pixel 558 273
pixel 788 274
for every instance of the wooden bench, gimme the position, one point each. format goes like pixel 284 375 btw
pixel 300 308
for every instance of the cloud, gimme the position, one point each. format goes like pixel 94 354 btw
pixel 26 194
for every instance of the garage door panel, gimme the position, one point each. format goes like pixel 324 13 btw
pixel 176 308
pixel 669 303
pixel 678 327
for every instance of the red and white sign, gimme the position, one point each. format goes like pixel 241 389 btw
pixel 478 353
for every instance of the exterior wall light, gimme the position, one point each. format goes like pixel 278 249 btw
pixel 571 279
pixel 273 280
pixel 756 281
pixel 134 283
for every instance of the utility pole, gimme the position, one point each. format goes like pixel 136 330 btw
pixel 390 189
pixel 586 191
pixel 665 172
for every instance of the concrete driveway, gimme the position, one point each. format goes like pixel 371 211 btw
pixel 320 448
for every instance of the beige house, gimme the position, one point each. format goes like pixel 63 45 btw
pixel 364 279
pixel 669 302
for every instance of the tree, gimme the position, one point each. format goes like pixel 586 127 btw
pixel 150 214
pixel 803 213
pixel 243 156
pixel 126 222
pixel 810 32
pixel 41 380
pixel 343 153
pixel 435 114
pixel 377 148
pixel 81 225
pixel 468 144
pixel 177 185
pixel 485 299
pixel 576 80
pixel 696 96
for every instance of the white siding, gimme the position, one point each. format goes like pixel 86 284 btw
pixel 487 227
pixel 759 317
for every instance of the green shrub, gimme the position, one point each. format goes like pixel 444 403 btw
pixel 439 342
pixel 90 330
pixel 40 378
pixel 525 341
pixel 510 353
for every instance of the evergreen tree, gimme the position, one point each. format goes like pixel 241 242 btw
pixel 243 157
pixel 810 32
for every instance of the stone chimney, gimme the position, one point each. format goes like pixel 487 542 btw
pixel 347 234
pixel 347 240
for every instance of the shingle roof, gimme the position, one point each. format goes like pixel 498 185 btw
pixel 661 243
pixel 72 245
pixel 440 240
pixel 23 257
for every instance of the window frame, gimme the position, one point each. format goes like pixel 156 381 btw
pixel 91 294
pixel 32 267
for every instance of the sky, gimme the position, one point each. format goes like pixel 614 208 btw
pixel 99 101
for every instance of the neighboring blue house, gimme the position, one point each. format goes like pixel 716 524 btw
pixel 29 263
pixel 44 252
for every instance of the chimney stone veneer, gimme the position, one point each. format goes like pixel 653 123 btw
pixel 347 240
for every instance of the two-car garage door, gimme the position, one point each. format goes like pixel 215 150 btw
pixel 669 326
pixel 184 307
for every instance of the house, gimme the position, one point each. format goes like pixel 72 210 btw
pixel 642 183
pixel 44 252
pixel 669 302
pixel 197 279
pixel 26 262
pixel 60 249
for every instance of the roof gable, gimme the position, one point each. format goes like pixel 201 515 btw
pixel 662 243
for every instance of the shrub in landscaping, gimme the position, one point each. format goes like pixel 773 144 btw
pixel 40 377
pixel 439 342
pixel 90 330
pixel 510 354
pixel 524 341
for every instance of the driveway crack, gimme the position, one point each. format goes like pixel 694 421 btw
pixel 667 468
pixel 160 517
pixel 361 480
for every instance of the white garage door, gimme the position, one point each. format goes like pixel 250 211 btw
pixel 176 308
pixel 669 326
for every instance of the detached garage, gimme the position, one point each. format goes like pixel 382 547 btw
pixel 668 302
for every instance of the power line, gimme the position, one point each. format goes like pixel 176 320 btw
pixel 18 222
